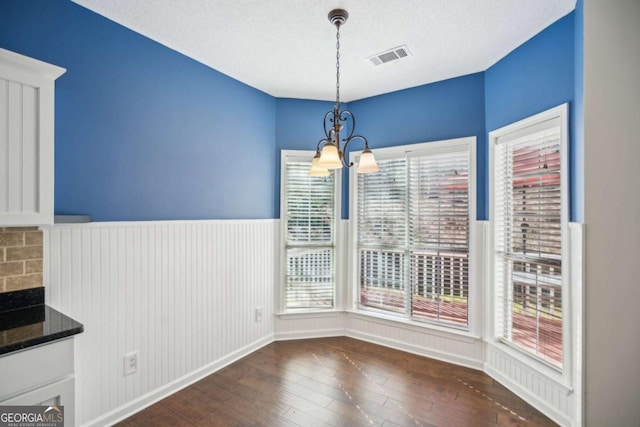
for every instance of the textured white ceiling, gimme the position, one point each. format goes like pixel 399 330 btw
pixel 287 47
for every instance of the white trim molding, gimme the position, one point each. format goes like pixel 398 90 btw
pixel 303 156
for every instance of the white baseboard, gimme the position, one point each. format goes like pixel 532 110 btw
pixel 134 406
pixel 420 351
pixel 301 335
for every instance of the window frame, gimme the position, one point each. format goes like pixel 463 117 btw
pixel 307 156
pixel 473 330
pixel 515 131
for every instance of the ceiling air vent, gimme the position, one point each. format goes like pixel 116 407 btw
pixel 389 55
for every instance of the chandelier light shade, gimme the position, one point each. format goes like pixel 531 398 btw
pixel 329 154
pixel 367 162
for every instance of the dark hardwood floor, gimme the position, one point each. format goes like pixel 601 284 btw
pixel 340 382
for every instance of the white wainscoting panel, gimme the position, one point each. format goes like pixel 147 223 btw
pixel 436 344
pixel 548 396
pixel 309 325
pixel 559 400
pixel 180 293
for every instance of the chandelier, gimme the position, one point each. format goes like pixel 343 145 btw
pixel 329 154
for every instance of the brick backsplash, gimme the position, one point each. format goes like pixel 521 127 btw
pixel 20 258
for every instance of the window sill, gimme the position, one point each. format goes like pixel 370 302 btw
pixel 309 314
pixel 450 333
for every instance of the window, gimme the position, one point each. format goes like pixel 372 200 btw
pixel 529 225
pixel 412 232
pixel 309 212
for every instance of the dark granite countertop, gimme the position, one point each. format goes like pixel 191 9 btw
pixel 25 321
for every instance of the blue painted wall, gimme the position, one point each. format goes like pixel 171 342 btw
pixel 536 76
pixel 143 132
pixel 448 109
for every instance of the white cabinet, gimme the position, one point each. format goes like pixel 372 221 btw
pixel 26 139
pixel 41 375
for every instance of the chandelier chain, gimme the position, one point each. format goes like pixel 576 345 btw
pixel 338 67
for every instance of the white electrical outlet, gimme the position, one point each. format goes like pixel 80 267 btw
pixel 258 314
pixel 130 363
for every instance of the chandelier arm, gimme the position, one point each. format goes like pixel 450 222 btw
pixel 346 143
pixel 344 162
pixel 327 131
pixel 320 143
pixel 347 114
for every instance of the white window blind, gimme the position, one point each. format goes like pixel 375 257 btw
pixel 528 230
pixel 382 235
pixel 413 234
pixel 439 236
pixel 309 217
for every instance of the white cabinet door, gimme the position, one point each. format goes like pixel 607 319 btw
pixel 60 393
pixel 26 139
pixel 41 375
